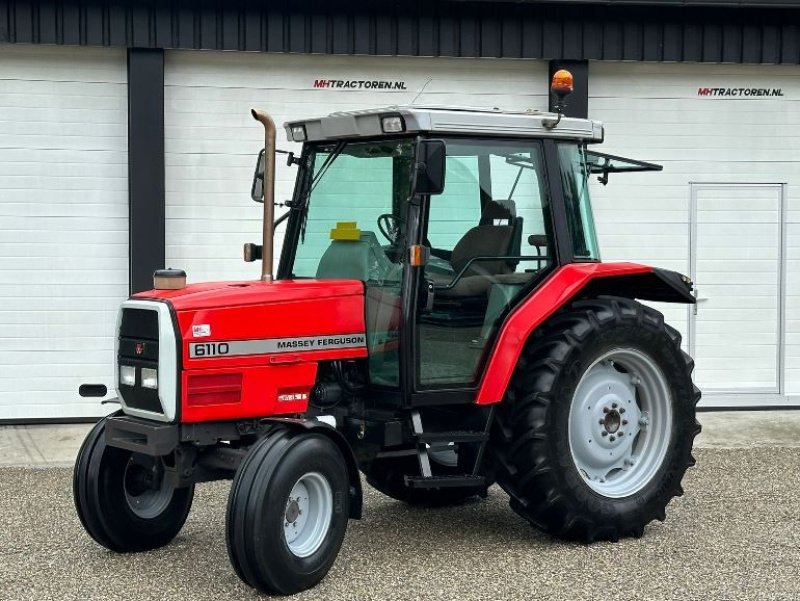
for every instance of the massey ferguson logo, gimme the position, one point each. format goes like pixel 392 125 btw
pixel 139 348
pixel 741 92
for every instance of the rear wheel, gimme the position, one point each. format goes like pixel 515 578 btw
pixel 123 499
pixel 596 432
pixel 287 511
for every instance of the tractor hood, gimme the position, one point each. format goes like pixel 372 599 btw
pixel 219 295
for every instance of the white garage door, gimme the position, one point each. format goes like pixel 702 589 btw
pixel 211 140
pixel 733 124
pixel 63 226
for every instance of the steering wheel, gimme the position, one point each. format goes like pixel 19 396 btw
pixel 389 226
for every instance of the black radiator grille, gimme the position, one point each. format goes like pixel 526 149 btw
pixel 138 347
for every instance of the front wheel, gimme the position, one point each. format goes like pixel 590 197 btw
pixel 123 499
pixel 596 433
pixel 287 511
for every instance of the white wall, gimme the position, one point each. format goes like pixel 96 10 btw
pixel 63 225
pixel 653 112
pixel 211 140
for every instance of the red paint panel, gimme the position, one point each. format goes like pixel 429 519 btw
pixel 212 295
pixel 316 315
pixel 260 387
pixel 551 295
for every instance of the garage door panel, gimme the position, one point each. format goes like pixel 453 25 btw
pixel 212 141
pixel 64 218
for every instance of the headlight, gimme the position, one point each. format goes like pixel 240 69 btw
pixel 127 375
pixel 149 378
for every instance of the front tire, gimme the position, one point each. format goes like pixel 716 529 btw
pixel 287 511
pixel 596 432
pixel 123 499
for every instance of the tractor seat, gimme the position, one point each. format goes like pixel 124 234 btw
pixel 483 240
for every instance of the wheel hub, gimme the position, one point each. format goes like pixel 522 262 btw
pixel 292 510
pixel 613 444
pixel 612 421
pixel 308 514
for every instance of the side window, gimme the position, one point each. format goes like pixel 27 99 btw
pixel 489 238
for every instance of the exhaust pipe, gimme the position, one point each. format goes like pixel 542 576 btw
pixel 269 191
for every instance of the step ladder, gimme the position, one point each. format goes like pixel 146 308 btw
pixel 427 479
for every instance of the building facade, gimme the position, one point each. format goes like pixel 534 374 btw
pixel 126 145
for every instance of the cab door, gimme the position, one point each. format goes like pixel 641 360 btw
pixel 488 237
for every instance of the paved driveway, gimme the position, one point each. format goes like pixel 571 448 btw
pixel 734 535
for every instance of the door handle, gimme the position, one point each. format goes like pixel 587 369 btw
pixel 698 299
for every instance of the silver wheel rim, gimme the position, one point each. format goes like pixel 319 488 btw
pixel 620 422
pixel 308 514
pixel 147 492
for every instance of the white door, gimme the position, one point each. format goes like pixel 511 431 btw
pixel 63 226
pixel 737 242
pixel 212 141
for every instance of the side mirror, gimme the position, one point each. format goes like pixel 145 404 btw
pixel 430 167
pixel 257 191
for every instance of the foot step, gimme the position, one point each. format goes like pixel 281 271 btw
pixel 445 481
pixel 454 436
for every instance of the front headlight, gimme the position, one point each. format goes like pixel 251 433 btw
pixel 127 375
pixel 149 378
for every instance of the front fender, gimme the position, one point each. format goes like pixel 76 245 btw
pixel 576 280
pixel 318 427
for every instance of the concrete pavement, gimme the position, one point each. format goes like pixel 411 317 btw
pixel 734 535
pixel 57 445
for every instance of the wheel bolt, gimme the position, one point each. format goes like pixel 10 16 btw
pixel 604 433
pixel 624 422
pixel 613 405
pixel 606 409
pixel 612 439
pixel 622 410
pixel 620 434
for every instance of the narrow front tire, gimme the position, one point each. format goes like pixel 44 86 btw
pixel 288 511
pixel 123 499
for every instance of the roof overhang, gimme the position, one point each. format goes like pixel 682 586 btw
pixel 444 121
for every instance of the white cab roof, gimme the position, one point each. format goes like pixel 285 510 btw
pixel 447 120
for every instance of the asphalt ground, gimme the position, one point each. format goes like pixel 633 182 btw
pixel 735 534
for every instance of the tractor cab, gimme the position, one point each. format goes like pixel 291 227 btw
pixel 449 217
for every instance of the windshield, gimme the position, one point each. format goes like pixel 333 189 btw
pixel 355 207
pixel 575 171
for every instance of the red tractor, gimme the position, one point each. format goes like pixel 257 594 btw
pixel 440 320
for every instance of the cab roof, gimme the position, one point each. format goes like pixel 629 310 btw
pixel 444 120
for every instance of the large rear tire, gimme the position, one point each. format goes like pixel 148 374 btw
pixel 287 511
pixel 123 499
pixel 596 431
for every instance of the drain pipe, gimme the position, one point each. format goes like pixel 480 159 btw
pixel 269 192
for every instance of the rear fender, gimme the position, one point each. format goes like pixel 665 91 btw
pixel 318 427
pixel 577 280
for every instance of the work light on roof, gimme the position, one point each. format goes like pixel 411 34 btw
pixel 392 124
pixel 299 133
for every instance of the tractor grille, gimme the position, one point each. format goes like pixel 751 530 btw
pixel 138 347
